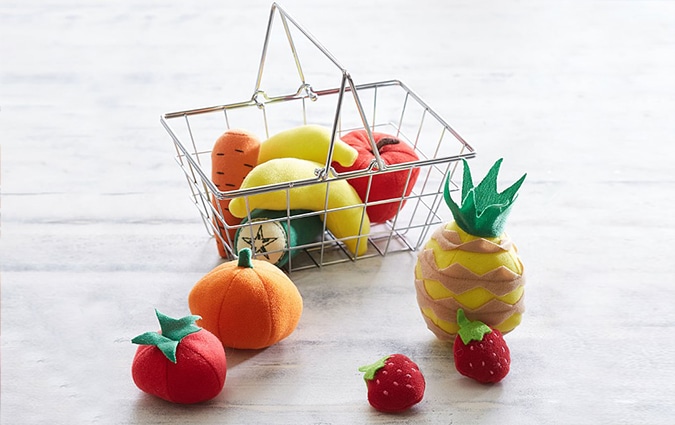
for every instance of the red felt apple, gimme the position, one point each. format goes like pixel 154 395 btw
pixel 384 186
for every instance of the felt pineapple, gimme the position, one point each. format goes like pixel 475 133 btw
pixel 470 263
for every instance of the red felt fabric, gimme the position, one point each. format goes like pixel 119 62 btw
pixel 384 186
pixel 396 387
pixel 198 374
pixel 487 361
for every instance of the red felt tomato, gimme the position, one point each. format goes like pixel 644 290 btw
pixel 384 186
pixel 182 364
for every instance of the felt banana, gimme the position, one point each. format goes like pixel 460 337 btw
pixel 310 142
pixel 349 224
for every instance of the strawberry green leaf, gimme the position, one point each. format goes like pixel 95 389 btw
pixel 371 369
pixel 173 331
pixel 471 330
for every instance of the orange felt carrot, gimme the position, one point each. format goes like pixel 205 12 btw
pixel 234 155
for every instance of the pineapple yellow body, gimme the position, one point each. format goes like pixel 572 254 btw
pixel 482 276
pixel 470 263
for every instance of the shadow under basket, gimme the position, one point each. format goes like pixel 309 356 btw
pixel 384 107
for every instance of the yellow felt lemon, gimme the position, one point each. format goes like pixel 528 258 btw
pixel 310 142
pixel 349 222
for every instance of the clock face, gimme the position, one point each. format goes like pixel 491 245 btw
pixel 267 240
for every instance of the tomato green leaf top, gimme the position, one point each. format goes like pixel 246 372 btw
pixel 172 332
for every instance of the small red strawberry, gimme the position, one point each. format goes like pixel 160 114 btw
pixel 394 383
pixel 480 351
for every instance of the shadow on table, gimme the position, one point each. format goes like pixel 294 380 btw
pixel 150 409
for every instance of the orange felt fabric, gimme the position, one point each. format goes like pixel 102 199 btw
pixel 234 155
pixel 247 307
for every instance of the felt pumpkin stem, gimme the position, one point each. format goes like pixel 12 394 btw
pixel 245 255
pixel 173 331
pixel 471 330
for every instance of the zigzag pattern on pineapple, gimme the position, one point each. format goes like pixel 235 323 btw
pixel 471 264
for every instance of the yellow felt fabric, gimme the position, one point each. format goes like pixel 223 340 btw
pixel 350 223
pixel 478 262
pixel 310 142
pixel 472 298
pixel 483 276
pixel 447 329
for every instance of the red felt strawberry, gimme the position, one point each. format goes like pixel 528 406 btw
pixel 480 351
pixel 182 364
pixel 394 383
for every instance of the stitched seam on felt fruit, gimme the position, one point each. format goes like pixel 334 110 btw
pixel 272 324
pixel 222 303
pixel 167 384
pixel 143 355
pixel 261 282
pixel 211 367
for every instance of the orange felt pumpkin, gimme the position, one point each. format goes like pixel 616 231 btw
pixel 247 304
pixel 234 154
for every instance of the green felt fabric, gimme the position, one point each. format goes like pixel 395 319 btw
pixel 470 330
pixel 371 369
pixel 245 256
pixel 483 211
pixel 173 331
pixel 269 239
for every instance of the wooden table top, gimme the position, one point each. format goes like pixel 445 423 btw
pixel 98 228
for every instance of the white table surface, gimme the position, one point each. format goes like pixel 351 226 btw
pixel 97 227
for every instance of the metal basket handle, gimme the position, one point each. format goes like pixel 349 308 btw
pixel 305 89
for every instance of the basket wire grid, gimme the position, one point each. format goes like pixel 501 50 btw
pixel 384 106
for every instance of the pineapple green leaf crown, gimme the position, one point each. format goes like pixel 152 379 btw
pixel 483 211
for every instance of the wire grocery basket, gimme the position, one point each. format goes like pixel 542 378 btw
pixel 383 107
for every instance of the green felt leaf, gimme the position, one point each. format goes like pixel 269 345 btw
pixel 177 329
pixel 166 345
pixel 172 332
pixel 371 369
pixel 467 181
pixel 471 330
pixel 484 210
